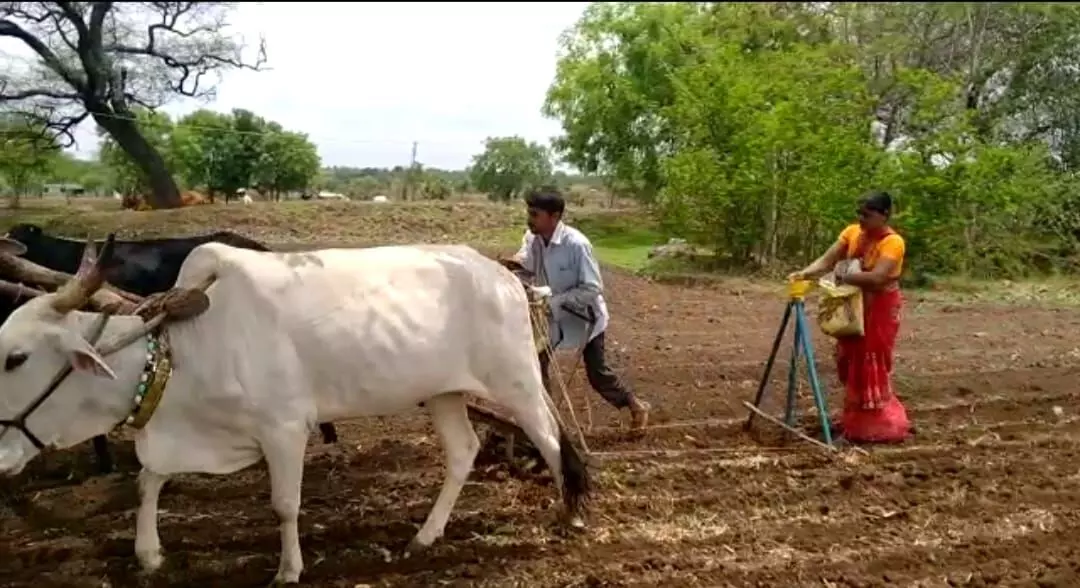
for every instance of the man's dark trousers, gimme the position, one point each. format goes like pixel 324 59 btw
pixel 601 377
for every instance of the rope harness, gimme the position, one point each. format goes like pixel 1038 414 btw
pixel 539 315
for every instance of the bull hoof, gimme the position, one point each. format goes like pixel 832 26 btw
pixel 572 524
pixel 283 579
pixel 150 561
pixel 415 547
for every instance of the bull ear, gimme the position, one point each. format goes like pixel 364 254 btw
pixel 11 247
pixel 82 355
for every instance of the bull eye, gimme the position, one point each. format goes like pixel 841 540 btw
pixel 14 360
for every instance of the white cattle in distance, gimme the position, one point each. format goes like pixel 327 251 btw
pixel 288 340
pixel 245 195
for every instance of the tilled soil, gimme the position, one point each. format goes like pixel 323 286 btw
pixel 985 494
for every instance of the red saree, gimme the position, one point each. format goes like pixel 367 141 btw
pixel 872 412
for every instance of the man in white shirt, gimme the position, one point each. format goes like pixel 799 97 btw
pixel 561 258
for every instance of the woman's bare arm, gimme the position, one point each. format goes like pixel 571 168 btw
pixel 823 264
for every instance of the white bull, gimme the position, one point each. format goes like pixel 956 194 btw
pixel 289 340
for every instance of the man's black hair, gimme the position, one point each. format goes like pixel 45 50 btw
pixel 877 200
pixel 547 199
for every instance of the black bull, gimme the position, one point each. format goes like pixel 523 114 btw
pixel 142 268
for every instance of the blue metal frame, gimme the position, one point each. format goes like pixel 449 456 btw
pixel 802 345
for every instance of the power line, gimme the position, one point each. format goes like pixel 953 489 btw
pixel 226 131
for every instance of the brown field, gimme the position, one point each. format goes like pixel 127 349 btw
pixel 984 495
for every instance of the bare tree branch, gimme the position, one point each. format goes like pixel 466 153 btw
pixel 34 93
pixel 53 126
pixel 188 40
pixel 9 28
pixel 71 12
pixel 97 20
pixel 102 59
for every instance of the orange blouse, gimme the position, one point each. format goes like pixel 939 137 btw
pixel 889 247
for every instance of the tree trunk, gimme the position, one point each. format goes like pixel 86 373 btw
pixel 164 192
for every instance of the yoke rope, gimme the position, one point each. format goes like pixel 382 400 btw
pixel 538 315
pixel 178 304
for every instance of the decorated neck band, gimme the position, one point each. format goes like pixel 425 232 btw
pixel 154 378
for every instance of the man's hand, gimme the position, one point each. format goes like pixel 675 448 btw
pixel 568 306
pixel 513 264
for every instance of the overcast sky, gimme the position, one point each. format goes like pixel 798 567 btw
pixel 366 79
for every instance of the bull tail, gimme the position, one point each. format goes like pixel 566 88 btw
pixel 576 479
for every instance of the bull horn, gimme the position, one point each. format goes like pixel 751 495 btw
pixel 90 277
pixel 11 246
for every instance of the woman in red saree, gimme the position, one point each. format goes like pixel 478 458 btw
pixel 872 412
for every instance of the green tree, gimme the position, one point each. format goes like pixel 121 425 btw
pixel 751 128
pixel 219 151
pixel 288 161
pixel 772 145
pixel 100 60
pixel 124 173
pixel 90 174
pixel 227 152
pixel 27 151
pixel 434 187
pixel 202 145
pixel 508 166
pixel 615 74
pixel 978 98
pixel 1013 64
pixel 246 140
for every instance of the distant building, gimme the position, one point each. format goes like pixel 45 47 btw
pixel 64 189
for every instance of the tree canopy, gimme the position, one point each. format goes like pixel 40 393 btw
pixel 753 127
pixel 508 166
pixel 26 153
pixel 107 60
pixel 218 152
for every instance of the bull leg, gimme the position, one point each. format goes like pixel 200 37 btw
pixel 101 453
pixel 147 542
pixel 542 428
pixel 459 441
pixel 329 433
pixel 283 448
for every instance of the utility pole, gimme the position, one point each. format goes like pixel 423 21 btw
pixel 409 173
